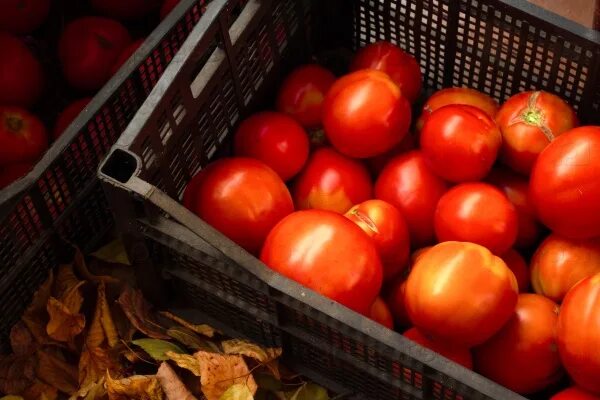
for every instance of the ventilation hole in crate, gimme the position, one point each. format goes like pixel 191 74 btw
pixel 148 155
pixel 165 131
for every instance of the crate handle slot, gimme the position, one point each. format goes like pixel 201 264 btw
pixel 243 20
pixel 205 75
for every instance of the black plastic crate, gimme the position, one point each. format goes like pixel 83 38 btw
pixel 229 67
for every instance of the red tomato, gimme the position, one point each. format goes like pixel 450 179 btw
pixel 469 97
pixel 401 67
pixel 458 354
pixel 21 74
pixel 88 49
pixel 516 263
pixel 460 143
pixel 13 172
pixel 574 393
pixel 564 185
pixel 516 188
pixel 67 116
pixel 302 94
pixel 275 139
pixel 365 114
pixel 523 355
pixel 22 136
pixel 243 198
pixel 377 163
pixel 327 253
pixel 529 121
pixel 579 333
pixel 125 54
pixel 408 183
pixel 381 313
pixel 396 300
pixel 386 226
pixel 559 263
pixel 461 293
pixel 23 16
pixel 167 7
pixel 331 181
pixel 479 213
pixel 125 9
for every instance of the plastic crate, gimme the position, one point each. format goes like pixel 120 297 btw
pixel 224 72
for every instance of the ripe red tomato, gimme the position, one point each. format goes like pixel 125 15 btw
pixel 579 333
pixel 67 116
pixel 381 313
pixel 396 300
pixel 327 253
pixel 574 393
pixel 302 94
pixel 331 181
pixel 377 163
pixel 516 188
pixel 564 185
pixel 167 7
pixel 469 97
pixel 559 263
pixel 479 213
pixel 21 74
pixel 523 355
pixel 401 67
pixel 386 226
pixel 275 139
pixel 516 263
pixel 129 9
pixel 460 143
pixel 125 54
pixel 408 183
pixel 529 121
pixel 459 354
pixel 22 136
pixel 460 293
pixel 13 172
pixel 88 49
pixel 365 114
pixel 241 197
pixel 23 16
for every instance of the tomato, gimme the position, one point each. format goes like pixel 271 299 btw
pixel 529 121
pixel 331 181
pixel 377 163
pixel 516 263
pixel 67 116
pixel 125 54
pixel 275 139
pixel 564 185
pixel 516 188
pixel 88 49
pixel 479 213
pixel 459 354
pixel 327 253
pixel 129 9
pixel 21 74
pixel 559 263
pixel 381 313
pixel 460 143
pixel 386 226
pixel 22 136
pixel 401 67
pixel 365 114
pixel 457 95
pixel 23 16
pixel 13 172
pixel 408 183
pixel 302 94
pixel 579 333
pixel 396 300
pixel 523 355
pixel 241 197
pixel 167 7
pixel 417 254
pixel 574 393
pixel 460 293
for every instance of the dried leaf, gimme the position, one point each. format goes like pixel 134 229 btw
pixel 273 366
pixel 40 390
pixel 83 270
pixel 11 398
pixel 57 372
pixel 185 361
pixel 65 280
pixel 16 373
pixel 103 326
pixel 157 349
pixel 135 387
pixel 308 391
pixel 91 391
pixel 21 339
pixel 237 392
pixel 249 349
pixel 172 386
pixel 218 372
pixel 114 252
pixel 64 325
pixel 94 363
pixel 190 339
pixel 137 310
pixel 35 316
pixel 268 382
pixel 202 329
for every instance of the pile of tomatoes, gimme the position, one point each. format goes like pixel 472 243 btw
pixel 426 225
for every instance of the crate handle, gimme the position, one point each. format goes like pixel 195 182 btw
pixel 249 12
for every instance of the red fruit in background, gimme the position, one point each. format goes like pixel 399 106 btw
pixel 129 9
pixel 460 293
pixel 13 172
pixel 21 74
pixel 302 94
pixel 381 313
pixel 377 163
pixel 564 185
pixel 242 198
pixel 386 226
pixel 67 116
pixel 23 16
pixel 410 185
pixel 331 181
pixel 396 300
pixel 478 213
pixel 327 253
pixel 458 354
pixel 365 114
pixel 167 7
pixel 22 136
pixel 275 139
pixel 523 355
pixel 559 263
pixel 460 143
pixel 529 121
pixel 125 54
pixel 574 393
pixel 579 333
pixel 401 67
pixel 88 49
pixel 516 263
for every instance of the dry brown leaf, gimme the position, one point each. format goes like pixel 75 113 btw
pixel 202 329
pixel 63 325
pixel 92 391
pixel 191 339
pixel 273 366
pixel 252 350
pixel 139 314
pixel 65 280
pixel 35 316
pixel 94 363
pixel 83 270
pixel 21 339
pixel 40 390
pixel 56 371
pixel 16 373
pixel 172 386
pixel 185 361
pixel 135 387
pixel 114 252
pixel 102 326
pixel 218 372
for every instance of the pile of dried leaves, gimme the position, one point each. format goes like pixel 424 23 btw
pixel 90 335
